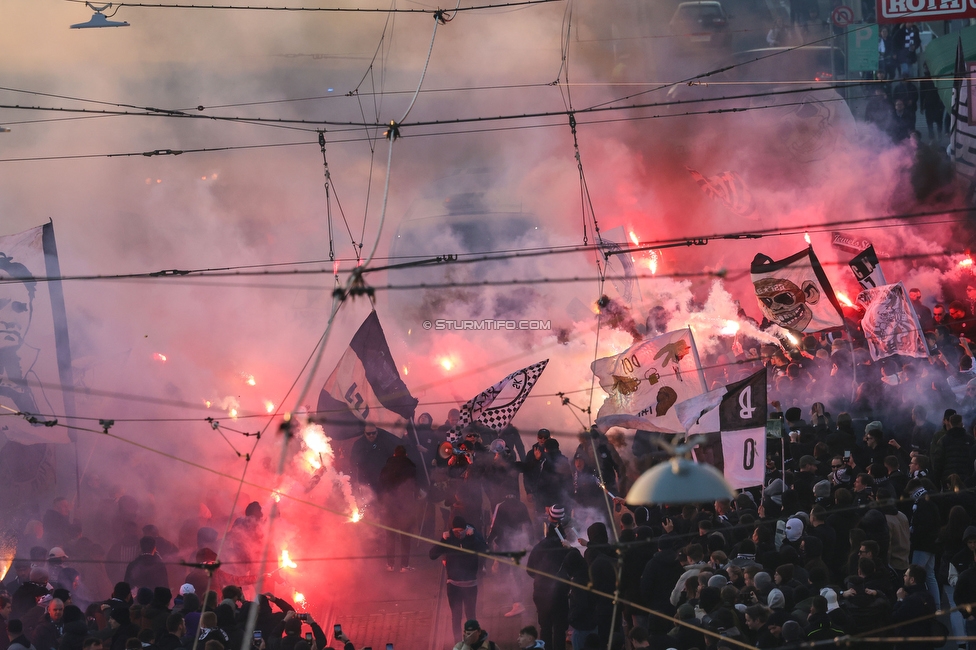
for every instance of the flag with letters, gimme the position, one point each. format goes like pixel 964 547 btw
pixel 738 411
pixel 742 421
pixel 650 377
pixel 867 269
pixel 890 323
pixel 364 387
pixel 495 406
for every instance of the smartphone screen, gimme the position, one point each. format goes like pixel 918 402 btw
pixel 336 630
pixel 257 635
pixel 389 646
pixel 308 637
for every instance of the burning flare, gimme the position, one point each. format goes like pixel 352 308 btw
pixel 964 262
pixel 634 239
pixel 162 357
pixel 269 406
pixel 843 299
pixel 285 561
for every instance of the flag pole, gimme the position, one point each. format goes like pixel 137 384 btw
pixel 698 365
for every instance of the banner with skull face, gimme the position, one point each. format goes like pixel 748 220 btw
pixel 794 293
pixel 650 377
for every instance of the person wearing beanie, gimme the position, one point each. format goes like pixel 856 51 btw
pixel 804 480
pixel 462 567
pixel 551 597
pixel 924 524
pixel 474 638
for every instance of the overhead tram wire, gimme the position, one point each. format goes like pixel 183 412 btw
pixel 356 10
pixel 316 125
pixel 469 258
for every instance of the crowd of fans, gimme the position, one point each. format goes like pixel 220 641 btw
pixel 864 525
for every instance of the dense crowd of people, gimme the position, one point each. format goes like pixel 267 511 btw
pixel 864 525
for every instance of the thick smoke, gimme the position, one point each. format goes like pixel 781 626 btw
pixel 234 346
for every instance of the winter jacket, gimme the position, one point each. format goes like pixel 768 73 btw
pixel 462 566
pixel 953 454
pixel 924 525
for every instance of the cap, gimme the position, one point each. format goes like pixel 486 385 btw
pixel 806 461
pixel 556 512
pixel 471 625
pixel 969 534
pixel 458 522
pixel 544 433
pixel 831 596
pixel 57 552
pixel 187 588
pixel 873 425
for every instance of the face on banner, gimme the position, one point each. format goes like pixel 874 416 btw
pixel 649 378
pixel 792 295
pixel 28 358
pixel 890 324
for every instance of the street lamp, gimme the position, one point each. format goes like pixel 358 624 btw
pixel 99 19
pixel 677 481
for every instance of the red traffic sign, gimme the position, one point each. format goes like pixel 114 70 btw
pixel 842 16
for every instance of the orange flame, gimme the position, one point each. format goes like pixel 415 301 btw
pixel 269 406
pixel 844 300
pixel 446 363
pixel 634 239
pixel 159 357
pixel 299 598
pixel 806 237
pixel 967 261
pixel 285 561
pixel 356 517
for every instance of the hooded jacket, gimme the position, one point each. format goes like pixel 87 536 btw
pixel 461 566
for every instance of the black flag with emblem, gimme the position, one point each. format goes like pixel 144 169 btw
pixel 742 421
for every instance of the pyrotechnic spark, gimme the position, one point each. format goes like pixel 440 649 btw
pixel 792 339
pixel 966 261
pixel 446 363
pixel 269 406
pixel 652 262
pixel 276 496
pixel 285 561
pixel 844 300
pixel 406 371
pixel 207 403
pixel 159 357
pixel 249 379
pixel 731 327
pixel 299 599
pixel 356 516
pixel 232 413
pixel 806 237
pixel 634 239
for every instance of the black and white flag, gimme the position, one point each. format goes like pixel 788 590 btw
pixel 867 269
pixel 495 406
pixel 742 421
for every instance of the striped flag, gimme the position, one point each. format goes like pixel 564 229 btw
pixel 495 406
pixel 364 387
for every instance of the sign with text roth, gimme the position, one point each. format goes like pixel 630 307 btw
pixel 910 11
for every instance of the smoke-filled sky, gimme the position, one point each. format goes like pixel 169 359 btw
pixel 512 184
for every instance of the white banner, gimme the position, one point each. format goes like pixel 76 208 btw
pixel 745 457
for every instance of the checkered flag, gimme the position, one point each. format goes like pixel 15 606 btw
pixel 495 406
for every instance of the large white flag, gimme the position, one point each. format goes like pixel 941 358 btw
pixel 890 324
pixel 650 377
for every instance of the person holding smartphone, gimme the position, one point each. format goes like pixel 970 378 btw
pixel 292 625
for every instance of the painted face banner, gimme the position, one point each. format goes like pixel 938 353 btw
pixel 794 293
pixel 34 355
pixel 890 324
pixel 650 377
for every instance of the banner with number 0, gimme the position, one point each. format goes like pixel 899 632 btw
pixel 742 421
